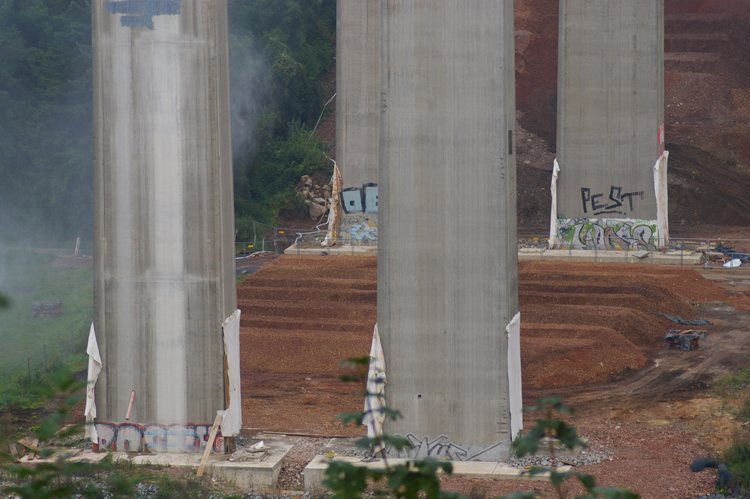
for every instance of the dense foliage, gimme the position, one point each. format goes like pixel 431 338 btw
pixel 279 50
pixel 45 118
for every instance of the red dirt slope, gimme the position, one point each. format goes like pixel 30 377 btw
pixel 301 317
pixel 707 98
pixel 581 324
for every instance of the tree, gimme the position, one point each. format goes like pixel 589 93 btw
pixel 45 117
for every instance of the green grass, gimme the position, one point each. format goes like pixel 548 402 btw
pixel 25 277
pixel 733 385
pixel 737 458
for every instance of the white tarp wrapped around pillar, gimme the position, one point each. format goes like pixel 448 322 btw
pixel 553 213
pixel 95 367
pixel 376 380
pixel 513 329
pixel 231 420
pixel 336 210
pixel 662 199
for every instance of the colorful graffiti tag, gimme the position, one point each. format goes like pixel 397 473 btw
pixel 609 234
pixel 176 438
pixel 362 229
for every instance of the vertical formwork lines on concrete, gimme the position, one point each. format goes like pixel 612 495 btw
pixel 164 224
pixel 610 120
pixel 447 268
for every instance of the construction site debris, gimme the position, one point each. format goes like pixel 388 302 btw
pixel 685 339
pixel 730 252
pixel 702 463
pixel 684 322
pixel 46 308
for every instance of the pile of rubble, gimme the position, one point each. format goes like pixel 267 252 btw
pixel 316 197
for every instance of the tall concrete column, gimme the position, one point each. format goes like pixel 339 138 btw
pixel 610 120
pixel 164 224
pixel 358 90
pixel 358 116
pixel 447 255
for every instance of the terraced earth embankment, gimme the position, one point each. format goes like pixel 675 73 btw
pixel 582 325
pixel 301 317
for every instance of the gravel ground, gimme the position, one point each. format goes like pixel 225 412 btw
pixel 291 476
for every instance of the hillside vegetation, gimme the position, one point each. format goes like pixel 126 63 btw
pixel 279 50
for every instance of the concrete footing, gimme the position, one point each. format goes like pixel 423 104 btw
pixel 258 471
pixel 315 470
pixel 686 258
pixel 346 249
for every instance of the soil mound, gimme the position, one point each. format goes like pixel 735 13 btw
pixel 581 324
pixel 645 331
pixel 556 355
pixel 301 317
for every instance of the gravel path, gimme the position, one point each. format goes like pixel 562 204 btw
pixel 291 476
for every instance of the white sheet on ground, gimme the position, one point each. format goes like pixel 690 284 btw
pixel 553 213
pixel 231 418
pixel 662 199
pixel 376 381
pixel 513 329
pixel 95 367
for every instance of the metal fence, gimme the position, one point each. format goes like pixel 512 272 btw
pixel 71 339
pixel 251 236
pixel 254 236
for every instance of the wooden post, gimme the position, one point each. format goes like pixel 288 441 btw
pixel 209 444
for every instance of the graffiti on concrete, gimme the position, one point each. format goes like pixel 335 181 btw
pixel 610 234
pixel 142 12
pixel 129 437
pixel 360 199
pixel 363 229
pixel 442 448
pixel 359 225
pixel 351 200
pixel 618 202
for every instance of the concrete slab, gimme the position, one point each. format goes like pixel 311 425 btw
pixel 172 460
pixel 70 455
pixel 258 470
pixel 315 470
pixel 346 249
pixel 686 258
pixel 252 470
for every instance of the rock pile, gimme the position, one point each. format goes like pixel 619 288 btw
pixel 317 198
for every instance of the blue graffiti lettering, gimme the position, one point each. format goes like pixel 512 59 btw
pixel 141 12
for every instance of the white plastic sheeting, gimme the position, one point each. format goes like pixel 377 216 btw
pixel 513 329
pixel 733 263
pixel 231 418
pixel 553 213
pixel 95 367
pixel 376 381
pixel 662 199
